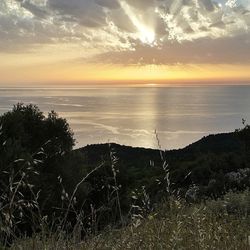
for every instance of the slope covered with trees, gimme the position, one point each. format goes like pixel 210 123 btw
pixel 44 183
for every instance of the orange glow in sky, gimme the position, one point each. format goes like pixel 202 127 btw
pixel 124 41
pixel 56 73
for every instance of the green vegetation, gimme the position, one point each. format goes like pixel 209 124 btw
pixel 179 226
pixel 223 224
pixel 109 196
pixel 32 147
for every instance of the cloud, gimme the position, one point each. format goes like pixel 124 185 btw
pixel 233 50
pixel 36 10
pixel 129 31
pixel 111 4
pixel 87 13
pixel 141 4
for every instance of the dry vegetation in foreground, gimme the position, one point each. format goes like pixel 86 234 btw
pixel 221 224
pixel 146 224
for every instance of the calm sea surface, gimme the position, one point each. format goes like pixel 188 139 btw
pixel 180 115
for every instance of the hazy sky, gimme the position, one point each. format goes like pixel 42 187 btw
pixel 74 41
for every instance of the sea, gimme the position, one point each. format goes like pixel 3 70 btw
pixel 172 117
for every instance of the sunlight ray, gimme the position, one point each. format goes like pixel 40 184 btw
pixel 146 34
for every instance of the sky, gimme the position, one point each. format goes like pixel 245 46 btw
pixel 124 41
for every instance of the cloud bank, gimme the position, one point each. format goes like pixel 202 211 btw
pixel 131 32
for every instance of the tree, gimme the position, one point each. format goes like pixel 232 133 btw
pixel 31 152
pixel 27 126
pixel 244 135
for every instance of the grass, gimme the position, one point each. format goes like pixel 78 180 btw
pixel 176 225
pixel 181 227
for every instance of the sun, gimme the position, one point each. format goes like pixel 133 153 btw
pixel 145 33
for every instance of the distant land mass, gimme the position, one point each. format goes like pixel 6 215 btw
pixel 205 161
pixel 216 143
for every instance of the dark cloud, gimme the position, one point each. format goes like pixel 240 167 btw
pixel 122 21
pixel 204 51
pixel 208 5
pixel 84 12
pixel 34 9
pixel 111 4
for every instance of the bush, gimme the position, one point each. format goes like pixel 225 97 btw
pixel 31 148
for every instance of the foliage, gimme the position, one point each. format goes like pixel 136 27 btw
pixel 31 146
pixel 48 189
pixel 30 129
pixel 175 225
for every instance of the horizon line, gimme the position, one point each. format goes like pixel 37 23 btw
pixel 130 83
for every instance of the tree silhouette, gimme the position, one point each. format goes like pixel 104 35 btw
pixel 32 148
pixel 28 126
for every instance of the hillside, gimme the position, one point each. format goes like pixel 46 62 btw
pixel 206 159
pixel 213 144
pixel 48 188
